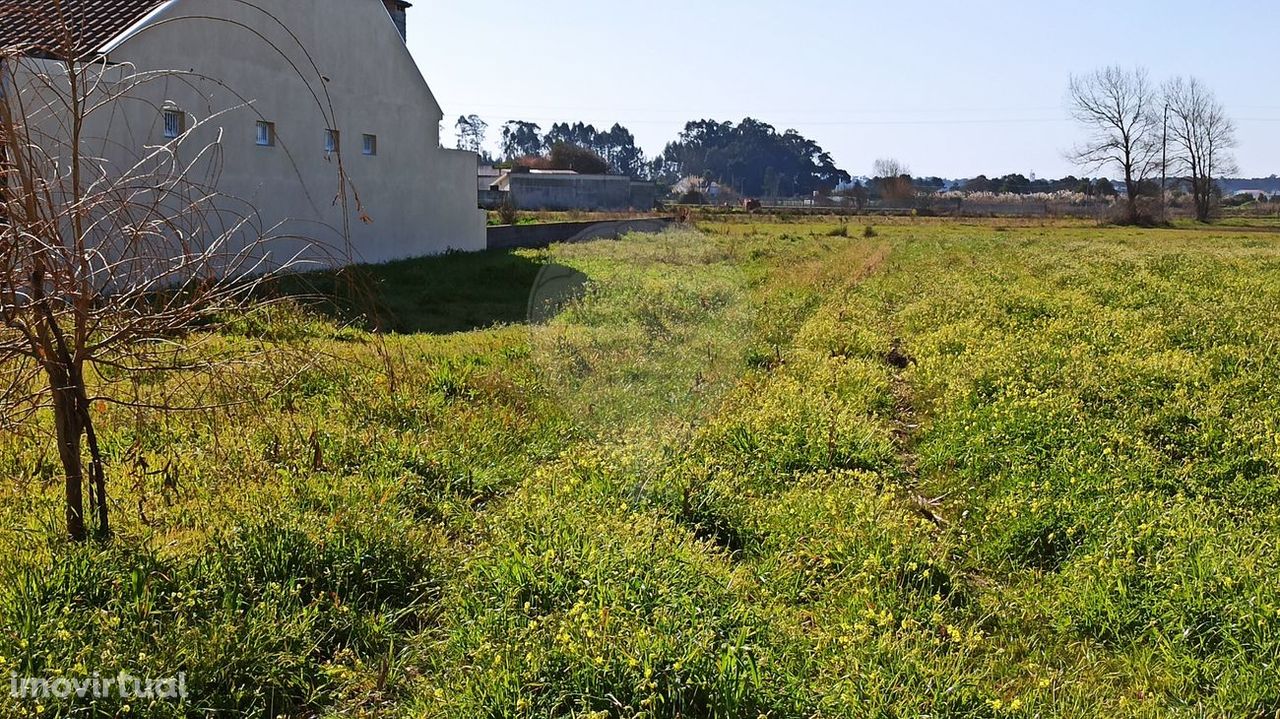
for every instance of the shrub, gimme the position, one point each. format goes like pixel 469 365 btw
pixel 567 156
pixel 508 211
pixel 693 197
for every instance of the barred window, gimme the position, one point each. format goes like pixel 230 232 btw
pixel 175 123
pixel 266 133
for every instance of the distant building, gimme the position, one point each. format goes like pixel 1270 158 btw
pixel 486 176
pixel 567 190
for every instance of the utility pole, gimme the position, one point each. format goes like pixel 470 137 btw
pixel 1164 167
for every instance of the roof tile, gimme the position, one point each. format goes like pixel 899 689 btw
pixel 67 28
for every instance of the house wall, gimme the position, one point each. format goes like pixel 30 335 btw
pixel 347 69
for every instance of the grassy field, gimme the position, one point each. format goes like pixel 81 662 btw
pixel 763 469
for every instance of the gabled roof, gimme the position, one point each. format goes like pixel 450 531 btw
pixel 78 29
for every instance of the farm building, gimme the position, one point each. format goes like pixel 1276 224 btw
pixel 320 118
pixel 569 190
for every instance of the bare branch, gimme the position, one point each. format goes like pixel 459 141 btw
pixel 1117 106
pixel 116 258
pixel 1202 137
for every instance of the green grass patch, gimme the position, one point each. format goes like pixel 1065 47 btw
pixel 763 468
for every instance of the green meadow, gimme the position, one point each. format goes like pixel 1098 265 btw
pixel 756 468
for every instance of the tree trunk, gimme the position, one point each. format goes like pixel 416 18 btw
pixel 1131 188
pixel 66 417
pixel 74 423
pixel 1204 198
pixel 97 475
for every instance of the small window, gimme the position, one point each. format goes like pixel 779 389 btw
pixel 331 143
pixel 370 144
pixel 266 134
pixel 175 123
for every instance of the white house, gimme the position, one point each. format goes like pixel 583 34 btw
pixel 288 91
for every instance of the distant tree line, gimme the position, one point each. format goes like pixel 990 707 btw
pixel 1267 185
pixel 1017 184
pixel 617 146
pixel 579 146
pixel 1176 135
pixel 752 157
pixel 893 185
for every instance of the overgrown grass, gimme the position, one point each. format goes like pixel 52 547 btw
pixel 764 469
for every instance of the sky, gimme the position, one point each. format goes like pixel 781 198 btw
pixel 954 89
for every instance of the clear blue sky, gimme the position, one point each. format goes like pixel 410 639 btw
pixel 951 88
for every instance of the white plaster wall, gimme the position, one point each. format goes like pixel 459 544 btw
pixel 412 199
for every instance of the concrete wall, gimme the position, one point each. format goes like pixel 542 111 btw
pixel 492 199
pixel 411 199
pixel 644 195
pixel 580 192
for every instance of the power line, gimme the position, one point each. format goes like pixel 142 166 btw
pixel 764 115
pixel 847 123
pixel 874 111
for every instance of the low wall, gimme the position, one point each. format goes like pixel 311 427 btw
pixel 571 192
pixel 506 237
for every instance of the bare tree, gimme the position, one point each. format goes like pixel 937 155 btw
pixel 1202 136
pixel 1118 107
pixel 894 180
pixel 109 260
